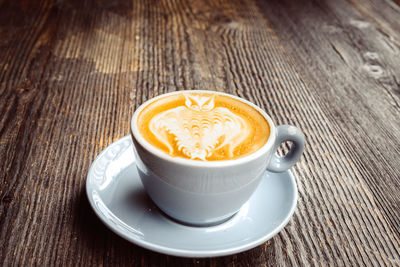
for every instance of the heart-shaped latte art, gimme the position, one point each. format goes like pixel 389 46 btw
pixel 199 129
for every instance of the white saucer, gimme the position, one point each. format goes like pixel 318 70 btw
pixel 117 196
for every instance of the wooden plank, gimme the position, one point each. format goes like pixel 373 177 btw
pixel 74 71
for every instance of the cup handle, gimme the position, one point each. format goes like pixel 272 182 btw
pixel 287 133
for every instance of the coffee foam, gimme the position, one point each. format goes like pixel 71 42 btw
pixel 203 126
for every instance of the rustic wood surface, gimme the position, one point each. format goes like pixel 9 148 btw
pixel 73 72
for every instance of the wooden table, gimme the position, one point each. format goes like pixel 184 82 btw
pixel 73 72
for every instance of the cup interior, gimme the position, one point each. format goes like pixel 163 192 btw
pixel 221 163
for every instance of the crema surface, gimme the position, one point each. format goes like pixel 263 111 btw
pixel 203 126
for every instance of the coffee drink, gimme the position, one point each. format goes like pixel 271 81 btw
pixel 203 126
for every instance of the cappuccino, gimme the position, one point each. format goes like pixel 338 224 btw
pixel 203 126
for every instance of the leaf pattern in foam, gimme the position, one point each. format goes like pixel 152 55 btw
pixel 198 133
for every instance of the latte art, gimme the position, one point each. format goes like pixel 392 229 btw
pixel 203 126
pixel 199 128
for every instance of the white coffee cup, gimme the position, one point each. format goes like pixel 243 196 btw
pixel 209 192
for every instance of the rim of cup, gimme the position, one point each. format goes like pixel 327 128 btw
pixel 198 163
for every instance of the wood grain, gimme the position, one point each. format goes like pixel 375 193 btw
pixel 73 72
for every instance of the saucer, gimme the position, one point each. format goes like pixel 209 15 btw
pixel 117 196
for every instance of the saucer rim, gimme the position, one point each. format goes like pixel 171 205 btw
pixel 188 253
